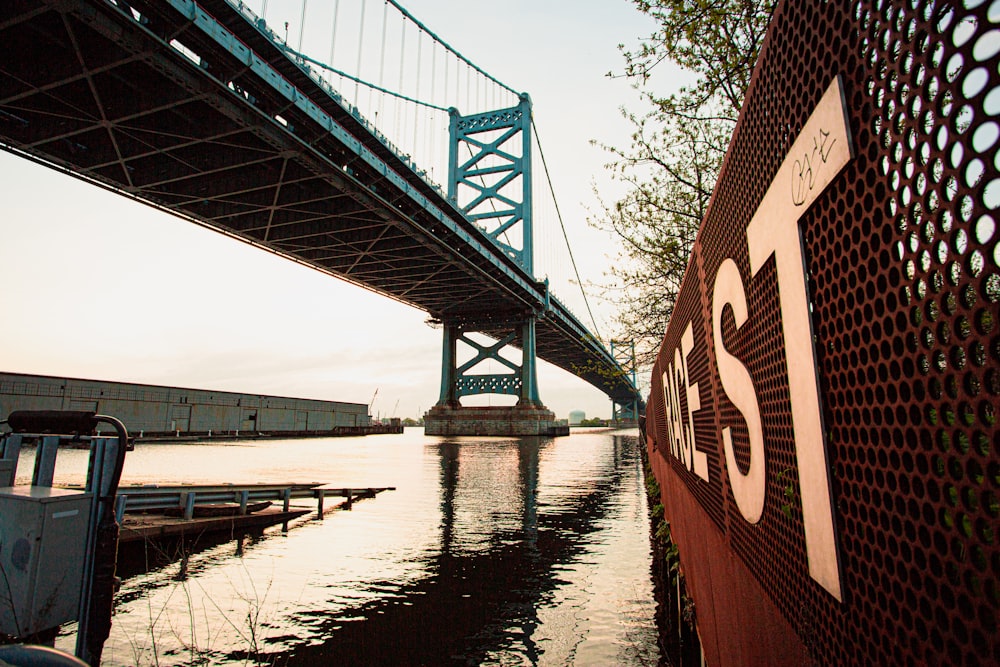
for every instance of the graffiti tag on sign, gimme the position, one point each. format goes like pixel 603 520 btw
pixel 806 168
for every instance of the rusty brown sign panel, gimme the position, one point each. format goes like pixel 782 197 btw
pixel 823 408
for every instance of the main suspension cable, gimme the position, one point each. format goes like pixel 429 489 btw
pixel 329 68
pixel 402 10
pixel 548 178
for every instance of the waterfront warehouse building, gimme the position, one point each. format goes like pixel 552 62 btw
pixel 149 410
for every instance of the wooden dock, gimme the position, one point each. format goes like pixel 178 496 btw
pixel 159 526
pixel 152 512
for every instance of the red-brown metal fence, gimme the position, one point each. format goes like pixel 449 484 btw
pixel 851 367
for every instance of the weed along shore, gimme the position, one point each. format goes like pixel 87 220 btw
pixel 675 610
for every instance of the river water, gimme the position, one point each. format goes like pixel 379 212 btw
pixel 490 551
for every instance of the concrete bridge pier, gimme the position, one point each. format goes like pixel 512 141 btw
pixel 517 420
pixel 528 417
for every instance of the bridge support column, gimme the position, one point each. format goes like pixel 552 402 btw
pixel 625 413
pixel 529 374
pixel 449 372
pixel 527 417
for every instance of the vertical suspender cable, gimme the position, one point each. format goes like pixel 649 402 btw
pixel 371 93
pixel 416 91
pixel 302 24
pixel 433 68
pixel 431 153
pixel 402 62
pixel 381 64
pixel 402 10
pixel 333 38
pixel 361 42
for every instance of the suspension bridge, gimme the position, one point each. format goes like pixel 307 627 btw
pixel 208 112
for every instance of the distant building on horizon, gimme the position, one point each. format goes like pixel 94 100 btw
pixel 576 416
pixel 154 410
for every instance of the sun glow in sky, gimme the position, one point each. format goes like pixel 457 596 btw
pixel 94 285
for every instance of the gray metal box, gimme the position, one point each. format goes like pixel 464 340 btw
pixel 42 535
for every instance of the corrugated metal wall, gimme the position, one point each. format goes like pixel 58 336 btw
pixel 149 409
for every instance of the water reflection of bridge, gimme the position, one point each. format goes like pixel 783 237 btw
pixel 511 545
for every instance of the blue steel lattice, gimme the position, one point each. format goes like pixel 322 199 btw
pixel 470 385
pixel 496 175
pixel 624 355
pixel 494 186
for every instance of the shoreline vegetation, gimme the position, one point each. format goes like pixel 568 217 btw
pixel 675 611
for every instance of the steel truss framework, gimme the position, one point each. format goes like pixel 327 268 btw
pixel 624 355
pixel 497 174
pixel 521 381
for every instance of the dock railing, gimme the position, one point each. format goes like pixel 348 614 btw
pixel 187 497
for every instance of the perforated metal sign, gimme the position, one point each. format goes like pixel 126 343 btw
pixel 825 399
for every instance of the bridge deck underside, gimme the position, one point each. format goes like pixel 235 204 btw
pixel 85 89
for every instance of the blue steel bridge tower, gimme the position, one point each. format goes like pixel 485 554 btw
pixel 626 413
pixel 489 179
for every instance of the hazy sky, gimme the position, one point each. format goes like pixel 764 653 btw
pixel 93 285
